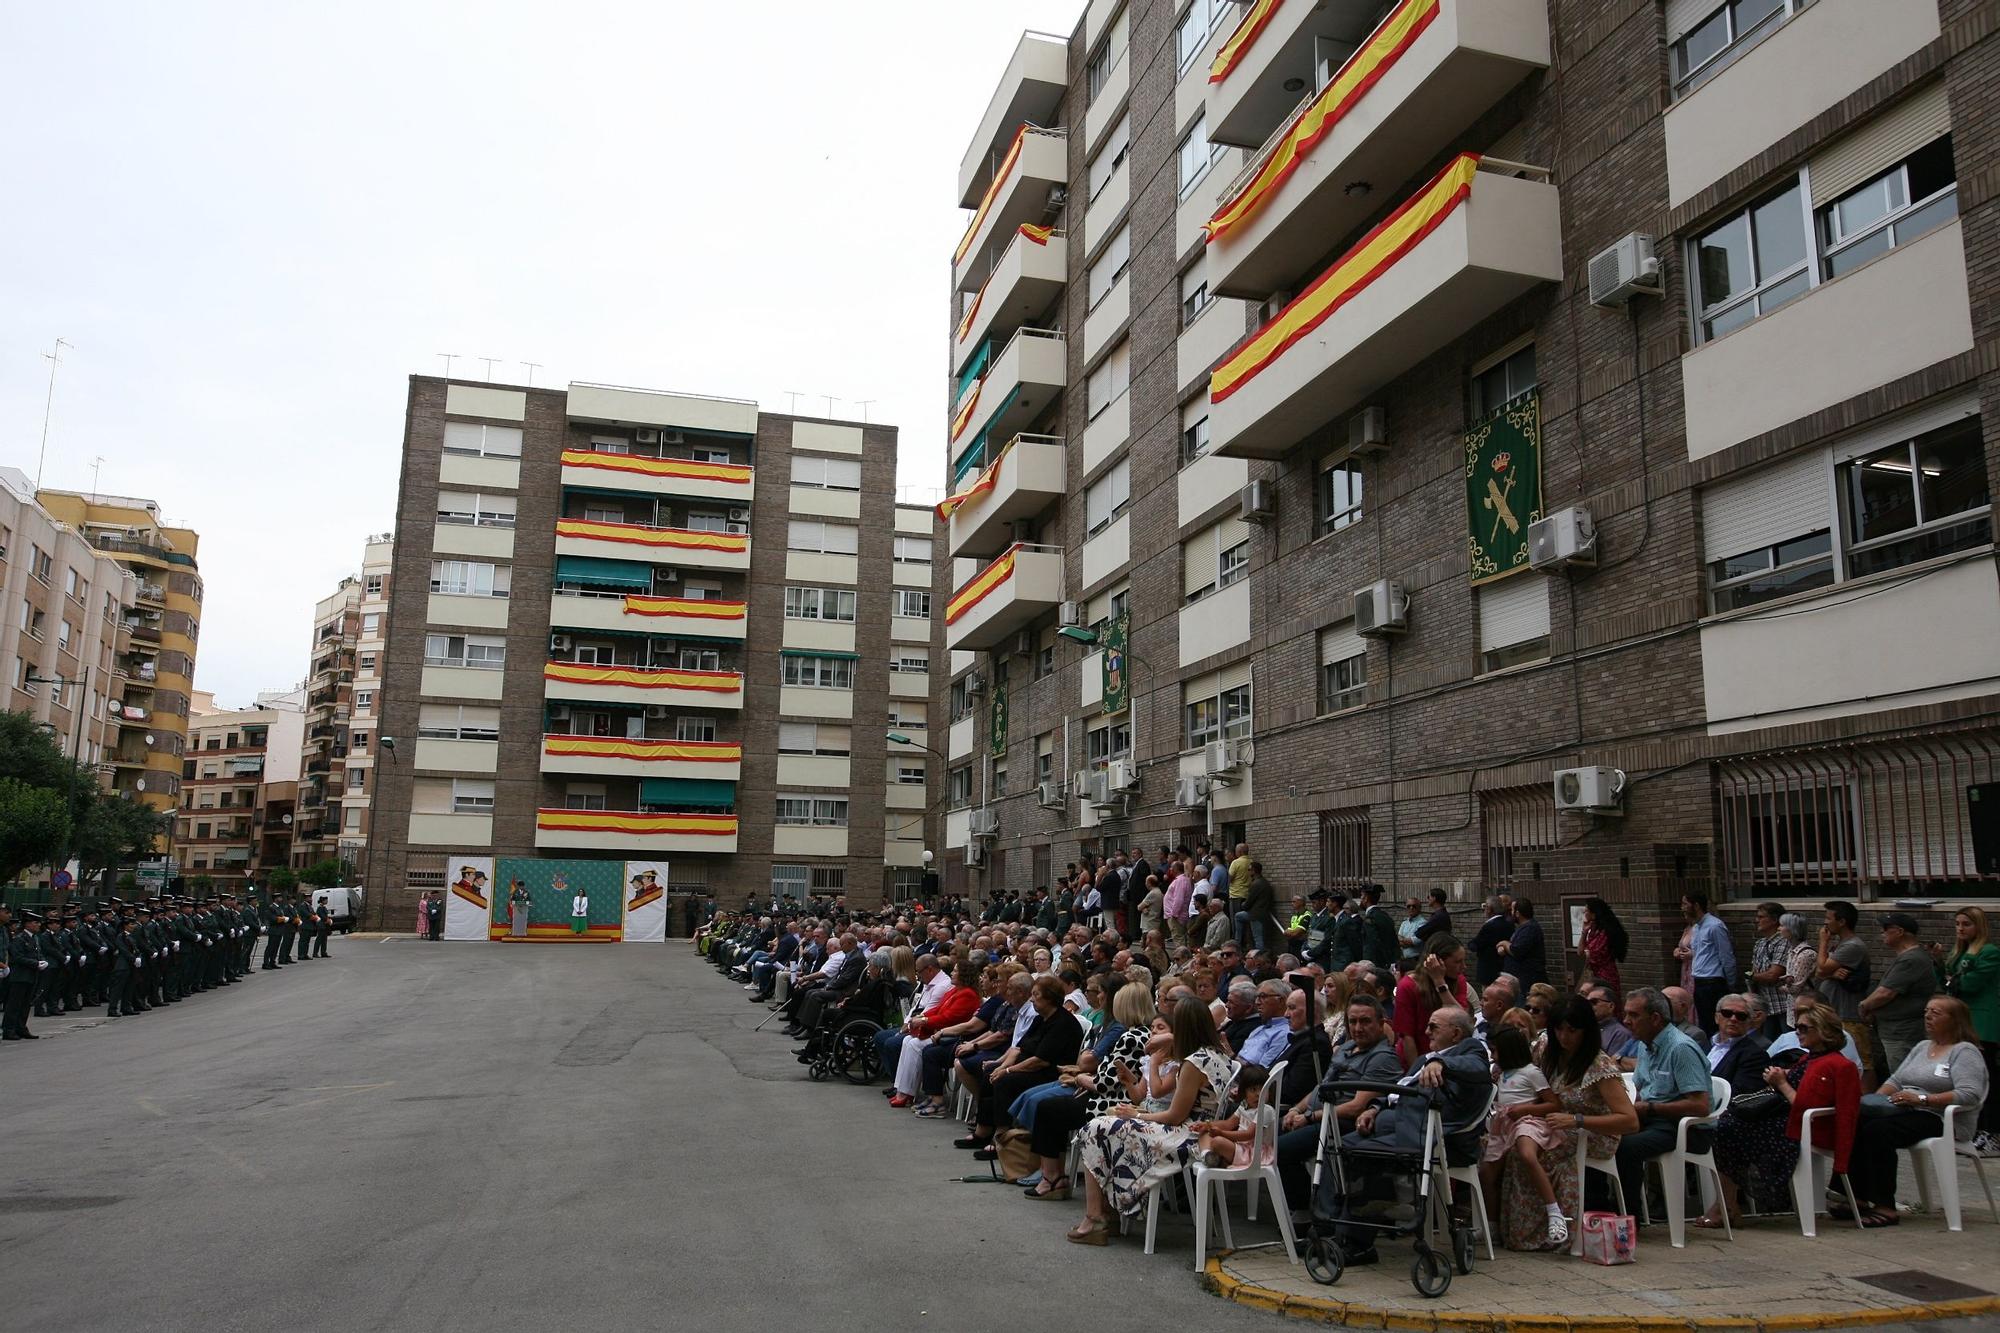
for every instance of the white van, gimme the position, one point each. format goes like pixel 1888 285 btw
pixel 345 904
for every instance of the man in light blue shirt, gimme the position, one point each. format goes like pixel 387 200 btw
pixel 1714 961
pixel 1266 1045
pixel 1671 1082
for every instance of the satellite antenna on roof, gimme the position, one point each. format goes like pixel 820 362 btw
pixel 48 406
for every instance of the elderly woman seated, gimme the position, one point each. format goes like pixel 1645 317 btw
pixel 875 999
pixel 947 1011
pixel 1112 1072
pixel 1945 1069
pixel 1050 1041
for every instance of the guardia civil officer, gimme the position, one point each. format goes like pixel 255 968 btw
pixel 25 966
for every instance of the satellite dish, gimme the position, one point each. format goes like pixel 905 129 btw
pixel 140 784
pixel 149 739
pixel 288 819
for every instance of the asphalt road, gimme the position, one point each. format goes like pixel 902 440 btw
pixel 444 1137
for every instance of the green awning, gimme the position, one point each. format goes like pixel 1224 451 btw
pixel 604 573
pixel 681 792
pixel 817 652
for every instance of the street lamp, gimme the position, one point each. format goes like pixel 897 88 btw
pixel 899 738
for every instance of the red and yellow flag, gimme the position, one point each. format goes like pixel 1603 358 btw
pixel 1247 31
pixel 1372 256
pixel 963 417
pixel 989 476
pixel 984 582
pixel 992 193
pixel 628 821
pixel 1391 38
pixel 1039 235
pixel 619 747
pixel 657 467
pixel 644 678
pixel 636 534
pixel 692 607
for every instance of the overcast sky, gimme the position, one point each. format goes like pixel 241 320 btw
pixel 254 221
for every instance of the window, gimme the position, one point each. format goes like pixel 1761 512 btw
pixel 699 659
pixel 1340 490
pixel 355 778
pixel 1195 153
pixel 1223 714
pixel 958 788
pixel 912 550
pixel 701 455
pixel 911 660
pixel 812 535
pixel 1105 499
pixel 1214 558
pixel 908 715
pixel 471 578
pixel 1233 564
pixel 1513 621
pixel 1045 757
pixel 1108 382
pixel 583 796
pixel 830 673
pixel 1106 742
pixel 1343 849
pixel 1917 195
pixel 1194 430
pixel 790 882
pixel 1107 607
pixel 1109 158
pixel 700 520
pixel 472 796
pixel 1109 266
pixel 1045 660
pixel 1751 264
pixel 1195 297
pixel 65 633
pixel 961 698
pixel 819 604
pixel 1501 382
pixel 465 437
pixel 1343 672
pixel 1109 55
pixel 371 586
pixel 913 604
pixel 815 738
pixel 1195 25
pixel 371 623
pixel 813 811
pixel 1732 29
pixel 69 582
pixel 367 662
pixel 909 775
pixel 466 650
pixel 469 508
pixel 691 728
pixel 1773 571
pixel 828 474
pixel 364 700
pixel 1917 499
pixel 39 563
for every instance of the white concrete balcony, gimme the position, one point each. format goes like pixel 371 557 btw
pixel 684 548
pixel 578 682
pixel 1030 89
pixel 1026 281
pixel 1023 379
pixel 1484 250
pixel 1019 194
pixel 625 613
pixel 639 758
pixel 1428 91
pixel 604 471
pixel 1029 475
pixel 634 831
pixel 1008 594
pixel 1299 46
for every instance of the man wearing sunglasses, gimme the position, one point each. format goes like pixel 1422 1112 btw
pixel 1739 1054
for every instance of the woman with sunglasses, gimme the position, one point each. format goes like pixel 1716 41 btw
pixel 1756 1147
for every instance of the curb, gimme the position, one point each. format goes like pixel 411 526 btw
pixel 1356 1314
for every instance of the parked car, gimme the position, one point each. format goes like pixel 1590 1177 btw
pixel 344 903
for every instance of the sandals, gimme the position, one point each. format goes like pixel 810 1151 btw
pixel 1094 1231
pixel 928 1111
pixel 1707 1223
pixel 1880 1218
pixel 1047 1191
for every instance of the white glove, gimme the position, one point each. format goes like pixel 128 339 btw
pixel 42 966
pixel 102 951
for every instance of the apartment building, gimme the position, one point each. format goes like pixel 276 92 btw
pixel 636 625
pixel 329 710
pixel 1365 414
pixel 357 792
pixel 65 632
pixel 152 669
pixel 239 782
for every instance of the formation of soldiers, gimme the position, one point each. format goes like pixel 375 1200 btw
pixel 136 956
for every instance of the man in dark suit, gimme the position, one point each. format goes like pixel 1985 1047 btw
pixel 1485 945
pixel 1738 1054
pixel 1378 929
pixel 25 969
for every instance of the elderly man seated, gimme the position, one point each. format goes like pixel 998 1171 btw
pixel 1739 1055
pixel 1366 1055
pixel 933 984
pixel 1264 1044
pixel 1671 1082
pixel 1243 1018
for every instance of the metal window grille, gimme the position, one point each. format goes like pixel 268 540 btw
pixel 1343 849
pixel 1514 820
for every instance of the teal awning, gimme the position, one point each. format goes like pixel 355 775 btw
pixel 817 652
pixel 605 573
pixel 679 792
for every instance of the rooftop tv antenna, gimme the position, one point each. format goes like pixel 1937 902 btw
pixel 489 360
pixel 864 404
pixel 792 408
pixel 448 358
pixel 532 367
pixel 96 466
pixel 48 406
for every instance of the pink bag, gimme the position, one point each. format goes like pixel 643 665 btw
pixel 1610 1238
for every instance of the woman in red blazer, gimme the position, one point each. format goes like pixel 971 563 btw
pixel 1764 1148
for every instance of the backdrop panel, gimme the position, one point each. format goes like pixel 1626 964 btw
pixel 468 903
pixel 552 886
pixel 645 901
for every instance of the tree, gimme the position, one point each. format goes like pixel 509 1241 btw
pixel 34 825
pixel 30 754
pixel 282 880
pixel 114 830
pixel 323 874
pixel 203 885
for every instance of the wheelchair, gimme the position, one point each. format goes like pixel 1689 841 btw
pixel 847 1051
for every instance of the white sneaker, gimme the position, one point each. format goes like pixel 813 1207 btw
pixel 1558 1229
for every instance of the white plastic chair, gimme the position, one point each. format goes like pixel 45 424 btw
pixel 1603 1166
pixel 1673 1164
pixel 1807 1189
pixel 1469 1177
pixel 1937 1159
pixel 1263 1145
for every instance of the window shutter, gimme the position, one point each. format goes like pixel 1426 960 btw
pixel 1339 642
pixel 1684 16
pixel 1514 610
pixel 1232 676
pixel 437 715
pixel 1198 562
pixel 1229 532
pixel 477 717
pixel 796 736
pixel 1766 507
pixel 1880 144
pixel 1908 426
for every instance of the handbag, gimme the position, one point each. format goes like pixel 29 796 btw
pixel 1014 1155
pixel 1610 1238
pixel 1759 1104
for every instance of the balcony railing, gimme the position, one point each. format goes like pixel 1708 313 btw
pixel 1028 474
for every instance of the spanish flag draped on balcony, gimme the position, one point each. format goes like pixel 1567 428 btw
pixel 622 821
pixel 1398 234
pixel 1040 236
pixel 691 607
pixel 984 582
pixel 683 539
pixel 619 747
pixel 1384 47
pixel 685 468
pixel 963 417
pixel 992 192
pixel 1238 43
pixel 988 477
pixel 643 678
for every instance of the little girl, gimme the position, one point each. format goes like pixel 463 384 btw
pixel 1524 1096
pixel 1227 1142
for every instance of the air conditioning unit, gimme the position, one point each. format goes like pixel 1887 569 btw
pixel 670 435
pixel 1566 537
pixel 1381 609
pixel 1368 431
pixel 1625 270
pixel 1190 793
pixel 1049 795
pixel 647 435
pixel 737 529
pixel 1220 759
pixel 1024 643
pixel 975 685
pixel 984 823
pixel 1597 791
pixel 559 714
pixel 559 643
pixel 1098 792
pixel 1058 196
pixel 659 711
pixel 739 516
pixel 1080 782
pixel 1070 615
pixel 669 575
pixel 1256 503
pixel 1121 775
pixel 975 853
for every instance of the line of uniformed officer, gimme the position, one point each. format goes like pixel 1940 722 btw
pixel 131 957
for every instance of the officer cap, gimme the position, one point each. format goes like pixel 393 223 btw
pixel 1318 896
pixel 30 916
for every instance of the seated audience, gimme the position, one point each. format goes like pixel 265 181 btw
pixel 1757 1139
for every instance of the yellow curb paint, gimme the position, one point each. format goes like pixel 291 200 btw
pixel 1531 1323
pixel 1410 1319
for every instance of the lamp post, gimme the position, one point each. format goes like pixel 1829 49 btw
pixel 902 738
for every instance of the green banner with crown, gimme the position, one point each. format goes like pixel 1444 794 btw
pixel 996 721
pixel 1503 487
pixel 1116 685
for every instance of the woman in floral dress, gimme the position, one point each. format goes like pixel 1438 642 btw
pixel 1126 1152
pixel 1594 1101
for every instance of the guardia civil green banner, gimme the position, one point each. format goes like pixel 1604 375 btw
pixel 1503 487
pixel 1117 684
pixel 996 721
